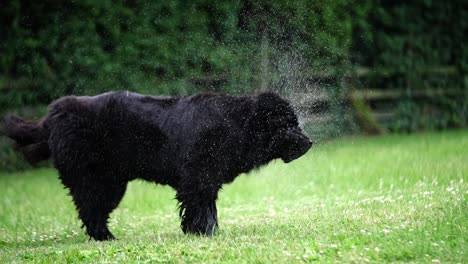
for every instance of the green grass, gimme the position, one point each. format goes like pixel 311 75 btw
pixel 397 198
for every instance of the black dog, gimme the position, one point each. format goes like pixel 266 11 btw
pixel 194 144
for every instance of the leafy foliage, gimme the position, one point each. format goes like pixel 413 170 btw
pixel 53 48
pixel 419 47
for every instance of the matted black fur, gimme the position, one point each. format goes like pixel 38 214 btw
pixel 194 144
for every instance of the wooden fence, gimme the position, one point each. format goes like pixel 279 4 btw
pixel 382 103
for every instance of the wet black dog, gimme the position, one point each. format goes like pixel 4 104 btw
pixel 194 144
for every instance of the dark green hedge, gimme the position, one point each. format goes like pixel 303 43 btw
pixel 416 47
pixel 51 48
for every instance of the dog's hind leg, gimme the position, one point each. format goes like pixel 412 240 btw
pixel 95 199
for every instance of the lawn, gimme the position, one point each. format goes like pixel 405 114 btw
pixel 396 198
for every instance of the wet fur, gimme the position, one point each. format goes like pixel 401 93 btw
pixel 194 144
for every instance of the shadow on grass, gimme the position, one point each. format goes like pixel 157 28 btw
pixel 83 239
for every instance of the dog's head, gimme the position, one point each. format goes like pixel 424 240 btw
pixel 275 118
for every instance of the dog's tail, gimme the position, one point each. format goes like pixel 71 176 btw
pixel 30 137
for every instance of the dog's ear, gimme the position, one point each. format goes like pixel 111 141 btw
pixel 268 106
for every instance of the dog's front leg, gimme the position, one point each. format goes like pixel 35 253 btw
pixel 198 208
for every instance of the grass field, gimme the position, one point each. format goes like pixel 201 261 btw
pixel 397 198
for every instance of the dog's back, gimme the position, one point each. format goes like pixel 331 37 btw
pixel 84 129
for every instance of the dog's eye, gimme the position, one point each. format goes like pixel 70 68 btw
pixel 293 124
